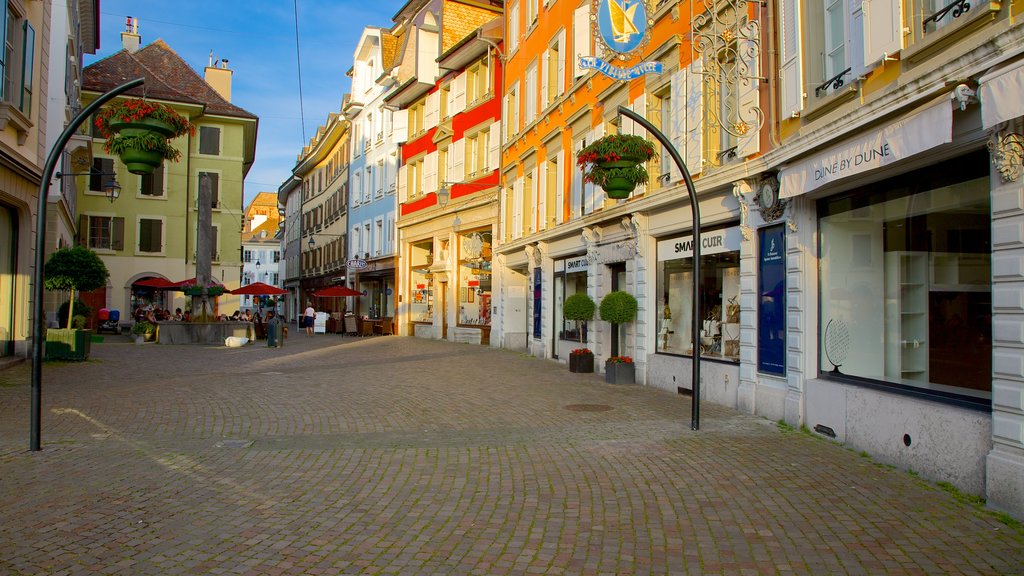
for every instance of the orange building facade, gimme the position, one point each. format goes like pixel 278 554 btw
pixel 559 235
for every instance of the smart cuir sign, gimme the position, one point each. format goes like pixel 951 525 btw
pixel 714 242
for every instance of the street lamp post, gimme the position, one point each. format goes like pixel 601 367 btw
pixel 37 275
pixel 695 215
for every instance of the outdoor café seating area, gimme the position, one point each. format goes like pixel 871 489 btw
pixel 352 325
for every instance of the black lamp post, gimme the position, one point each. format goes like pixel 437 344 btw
pixel 695 215
pixel 37 275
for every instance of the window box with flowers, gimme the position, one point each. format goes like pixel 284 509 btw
pixel 197 290
pixel 140 132
pixel 616 163
pixel 620 370
pixel 581 360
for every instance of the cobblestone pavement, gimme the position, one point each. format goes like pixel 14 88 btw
pixel 396 455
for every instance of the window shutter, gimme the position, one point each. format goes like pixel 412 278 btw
pixel 430 173
pixel 581 37
pixel 117 234
pixel 494 147
pixel 560 88
pixel 695 118
pixel 530 95
pixel 855 38
pixel 791 83
pixel 400 126
pixel 402 185
pixel 677 119
pixel 28 57
pixel 83 230
pixel 502 212
pixel 883 22
pixel 459 88
pixel 560 187
pixel 433 110
pixel 540 182
pixel 458 153
pixel 517 208
pixel 4 56
pixel 749 143
pixel 545 71
pixel 575 201
pixel 156 230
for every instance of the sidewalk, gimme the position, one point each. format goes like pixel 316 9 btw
pixel 392 455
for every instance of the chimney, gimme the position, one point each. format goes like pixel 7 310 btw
pixel 130 38
pixel 218 76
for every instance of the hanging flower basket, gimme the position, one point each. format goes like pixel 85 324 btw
pixel 140 133
pixel 616 163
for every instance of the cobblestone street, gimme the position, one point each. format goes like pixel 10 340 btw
pixel 391 455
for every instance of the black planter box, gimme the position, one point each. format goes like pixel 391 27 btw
pixel 581 362
pixel 620 372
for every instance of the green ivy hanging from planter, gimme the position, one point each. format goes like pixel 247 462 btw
pixel 616 163
pixel 140 132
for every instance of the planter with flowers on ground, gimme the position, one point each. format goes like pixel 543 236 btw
pixel 620 370
pixel 581 360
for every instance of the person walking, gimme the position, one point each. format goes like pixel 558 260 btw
pixel 308 317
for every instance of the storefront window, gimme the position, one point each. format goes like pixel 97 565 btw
pixel 720 291
pixel 475 278
pixel 570 278
pixel 421 289
pixel 906 293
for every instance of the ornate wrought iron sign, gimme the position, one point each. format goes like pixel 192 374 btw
pixel 622 26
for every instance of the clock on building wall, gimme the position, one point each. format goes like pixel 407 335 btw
pixel 768 202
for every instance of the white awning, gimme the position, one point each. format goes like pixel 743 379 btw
pixel 1002 95
pixel 877 148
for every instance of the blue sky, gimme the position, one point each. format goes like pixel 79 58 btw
pixel 257 37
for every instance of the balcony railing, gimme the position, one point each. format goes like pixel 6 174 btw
pixel 834 83
pixel 958 8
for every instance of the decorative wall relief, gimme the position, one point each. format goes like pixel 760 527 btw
pixel 1007 150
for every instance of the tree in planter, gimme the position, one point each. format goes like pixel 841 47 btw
pixel 579 308
pixel 81 309
pixel 618 308
pixel 74 269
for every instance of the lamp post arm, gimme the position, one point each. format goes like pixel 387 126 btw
pixel 695 214
pixel 37 283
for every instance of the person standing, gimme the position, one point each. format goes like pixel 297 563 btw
pixel 308 317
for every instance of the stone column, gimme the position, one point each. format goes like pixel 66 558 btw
pixel 1005 462
pixel 202 307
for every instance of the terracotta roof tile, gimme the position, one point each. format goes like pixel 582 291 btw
pixel 168 77
pixel 461 20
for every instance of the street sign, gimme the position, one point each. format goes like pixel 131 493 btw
pixel 356 264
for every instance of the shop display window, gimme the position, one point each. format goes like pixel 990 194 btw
pixel 421 280
pixel 475 278
pixel 719 308
pixel 905 281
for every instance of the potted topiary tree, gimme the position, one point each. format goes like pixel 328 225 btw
pixel 616 163
pixel 619 307
pixel 579 308
pixel 139 132
pixel 72 269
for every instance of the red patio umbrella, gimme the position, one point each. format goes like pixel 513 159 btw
pixel 336 292
pixel 158 283
pixel 259 289
pixel 192 282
